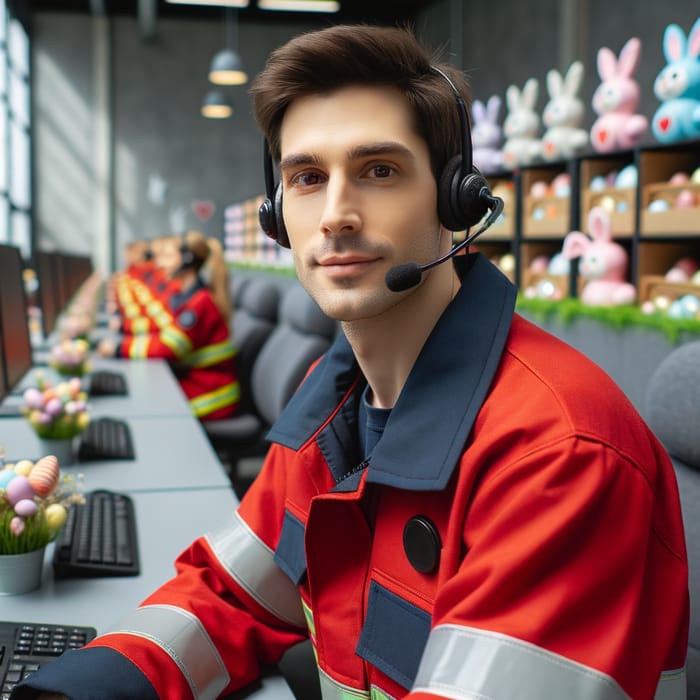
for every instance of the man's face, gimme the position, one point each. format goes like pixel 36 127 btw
pixel 359 197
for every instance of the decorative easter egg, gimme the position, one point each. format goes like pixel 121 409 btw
pixel 686 199
pixel 539 264
pixel 561 185
pixel 679 178
pixel 597 183
pixel 658 205
pixel 676 275
pixel 622 207
pixel 627 177
pixel 55 515
pixel 690 304
pixel 546 289
pixel 18 489
pixel 25 508
pixel 688 265
pixel 559 265
pixel 539 189
pixel 551 211
pixel 675 310
pixel 695 177
pixel 608 203
pixel 538 213
pixel 695 279
pixel 610 178
pixel 648 307
pixel 44 477
pixel 33 398
pixel 6 475
pixel 23 467
pixel 662 302
pixel 507 262
pixel 16 526
pixel 54 406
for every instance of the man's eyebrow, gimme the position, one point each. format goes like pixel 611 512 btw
pixel 366 150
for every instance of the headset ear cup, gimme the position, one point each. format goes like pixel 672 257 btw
pixel 472 205
pixel 282 237
pixel 266 217
pixel 448 196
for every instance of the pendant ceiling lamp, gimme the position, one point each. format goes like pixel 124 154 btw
pixel 227 66
pixel 216 105
pixel 300 5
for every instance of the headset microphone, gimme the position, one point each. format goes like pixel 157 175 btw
pixel 402 277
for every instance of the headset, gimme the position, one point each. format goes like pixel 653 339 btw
pixel 464 199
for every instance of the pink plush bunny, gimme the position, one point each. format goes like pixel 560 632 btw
pixel 603 262
pixel 616 100
pixel 487 135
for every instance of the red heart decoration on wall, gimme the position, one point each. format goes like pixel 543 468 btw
pixel 664 123
pixel 203 209
pixel 602 135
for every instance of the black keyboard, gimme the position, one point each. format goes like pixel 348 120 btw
pixel 106 438
pixel 99 538
pixel 105 383
pixel 26 646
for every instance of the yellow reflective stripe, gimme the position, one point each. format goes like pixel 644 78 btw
pixel 334 690
pixel 378 694
pixel 154 307
pixel 308 614
pixel 140 325
pixel 204 404
pixel 131 310
pixel 139 346
pixel 176 340
pixel 210 355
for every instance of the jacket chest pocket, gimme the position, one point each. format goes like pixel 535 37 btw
pixel 394 634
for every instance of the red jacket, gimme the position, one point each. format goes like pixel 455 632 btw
pixel 197 343
pixel 516 533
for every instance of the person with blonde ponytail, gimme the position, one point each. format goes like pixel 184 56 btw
pixel 216 275
pixel 196 339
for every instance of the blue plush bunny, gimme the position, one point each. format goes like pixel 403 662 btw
pixel 678 86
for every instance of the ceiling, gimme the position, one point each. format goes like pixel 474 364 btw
pixel 373 11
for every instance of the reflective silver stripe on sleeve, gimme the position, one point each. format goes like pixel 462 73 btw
pixel 464 663
pixel 183 637
pixel 249 561
pixel 672 686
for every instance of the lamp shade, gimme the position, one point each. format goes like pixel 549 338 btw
pixel 227 69
pixel 216 105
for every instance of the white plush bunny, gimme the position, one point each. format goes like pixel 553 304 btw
pixel 563 114
pixel 522 145
pixel 487 135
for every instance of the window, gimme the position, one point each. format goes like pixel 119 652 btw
pixel 15 133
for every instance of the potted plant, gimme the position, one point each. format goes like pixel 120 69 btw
pixel 34 499
pixel 57 413
pixel 70 357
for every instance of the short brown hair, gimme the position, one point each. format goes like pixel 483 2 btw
pixel 322 61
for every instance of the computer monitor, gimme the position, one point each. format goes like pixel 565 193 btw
pixel 16 341
pixel 48 290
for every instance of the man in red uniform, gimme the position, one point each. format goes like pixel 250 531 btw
pixel 455 504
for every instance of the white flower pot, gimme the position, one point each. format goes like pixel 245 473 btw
pixel 21 573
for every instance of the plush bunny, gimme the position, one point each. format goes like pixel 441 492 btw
pixel 603 262
pixel 522 146
pixel 487 135
pixel 616 99
pixel 563 115
pixel 678 86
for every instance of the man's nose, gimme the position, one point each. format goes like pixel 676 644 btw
pixel 341 211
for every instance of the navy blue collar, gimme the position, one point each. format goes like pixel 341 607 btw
pixel 177 300
pixel 426 433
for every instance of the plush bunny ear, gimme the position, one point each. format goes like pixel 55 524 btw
pixel 554 83
pixel 694 40
pixel 530 93
pixel 573 79
pixel 599 224
pixel 575 245
pixel 493 106
pixel 607 63
pixel 478 111
pixel 674 43
pixel 629 57
pixel 512 97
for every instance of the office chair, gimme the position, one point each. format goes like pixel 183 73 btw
pixel 673 404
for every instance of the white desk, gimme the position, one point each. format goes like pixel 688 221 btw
pixel 166 524
pixel 153 390
pixel 171 453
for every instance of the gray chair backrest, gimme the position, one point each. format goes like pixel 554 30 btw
pixel 252 323
pixel 673 406
pixel 302 334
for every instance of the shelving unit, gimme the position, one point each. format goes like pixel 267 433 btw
pixel 536 226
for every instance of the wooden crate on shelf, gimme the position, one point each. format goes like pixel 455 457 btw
pixel 555 216
pixel 619 203
pixel 653 286
pixel 504 226
pixel 674 220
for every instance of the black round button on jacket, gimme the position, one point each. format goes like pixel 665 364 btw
pixel 421 542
